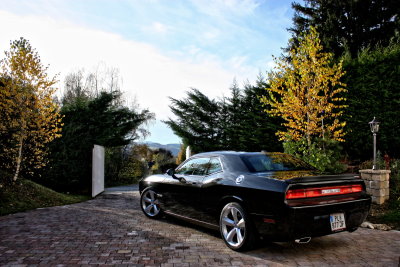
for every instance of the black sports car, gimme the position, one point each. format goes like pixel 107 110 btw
pixel 248 195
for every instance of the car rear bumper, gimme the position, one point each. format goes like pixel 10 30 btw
pixel 310 221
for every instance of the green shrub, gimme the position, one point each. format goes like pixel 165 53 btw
pixel 122 166
pixel 395 181
pixel 113 163
pixel 163 160
pixel 380 163
pixel 324 155
pixel 132 171
pixel 5 177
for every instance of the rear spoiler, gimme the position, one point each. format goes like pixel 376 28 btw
pixel 324 178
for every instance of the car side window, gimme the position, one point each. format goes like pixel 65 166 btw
pixel 197 166
pixel 214 166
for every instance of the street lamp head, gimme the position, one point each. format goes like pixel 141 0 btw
pixel 374 124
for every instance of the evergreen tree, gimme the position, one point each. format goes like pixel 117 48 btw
pixel 347 25
pixel 236 122
pixel 258 130
pixel 233 127
pixel 197 122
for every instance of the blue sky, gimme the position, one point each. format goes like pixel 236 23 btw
pixel 161 48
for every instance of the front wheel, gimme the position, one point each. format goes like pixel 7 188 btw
pixel 150 204
pixel 236 227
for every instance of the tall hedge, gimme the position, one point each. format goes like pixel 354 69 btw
pixel 373 83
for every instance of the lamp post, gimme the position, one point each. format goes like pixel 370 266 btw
pixel 374 124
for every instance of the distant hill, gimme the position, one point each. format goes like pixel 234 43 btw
pixel 174 148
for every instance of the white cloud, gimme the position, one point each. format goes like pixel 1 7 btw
pixel 238 62
pixel 210 35
pixel 147 74
pixel 158 27
pixel 271 65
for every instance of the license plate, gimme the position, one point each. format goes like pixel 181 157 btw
pixel 330 191
pixel 337 221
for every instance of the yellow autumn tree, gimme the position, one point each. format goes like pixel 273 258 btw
pixel 306 92
pixel 29 118
pixel 181 157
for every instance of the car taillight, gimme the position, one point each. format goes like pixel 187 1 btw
pixel 323 191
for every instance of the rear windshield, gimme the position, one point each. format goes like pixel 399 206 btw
pixel 273 162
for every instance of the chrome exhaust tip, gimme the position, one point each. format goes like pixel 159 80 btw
pixel 303 240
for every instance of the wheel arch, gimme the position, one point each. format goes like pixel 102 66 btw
pixel 143 187
pixel 232 198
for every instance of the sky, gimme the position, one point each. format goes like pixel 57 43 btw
pixel 161 48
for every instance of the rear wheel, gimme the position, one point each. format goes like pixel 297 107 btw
pixel 150 204
pixel 236 227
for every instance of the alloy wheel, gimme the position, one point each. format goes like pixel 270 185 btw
pixel 233 226
pixel 150 203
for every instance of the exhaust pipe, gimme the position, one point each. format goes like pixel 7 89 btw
pixel 303 240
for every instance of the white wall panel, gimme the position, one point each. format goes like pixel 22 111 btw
pixel 97 170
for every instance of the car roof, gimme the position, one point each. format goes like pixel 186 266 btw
pixel 218 153
pixel 232 161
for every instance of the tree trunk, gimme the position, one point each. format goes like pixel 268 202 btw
pixel 19 159
pixel 308 131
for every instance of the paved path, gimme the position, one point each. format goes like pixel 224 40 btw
pixel 121 189
pixel 112 230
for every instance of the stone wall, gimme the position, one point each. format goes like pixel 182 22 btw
pixel 377 183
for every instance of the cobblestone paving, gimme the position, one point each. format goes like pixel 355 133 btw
pixel 111 230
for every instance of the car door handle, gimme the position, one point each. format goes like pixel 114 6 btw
pixel 184 181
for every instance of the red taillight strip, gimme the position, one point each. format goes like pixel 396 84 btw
pixel 323 191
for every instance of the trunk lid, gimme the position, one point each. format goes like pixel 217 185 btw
pixel 305 176
pixel 313 178
pixel 324 189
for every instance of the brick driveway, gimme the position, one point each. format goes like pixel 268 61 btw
pixel 112 230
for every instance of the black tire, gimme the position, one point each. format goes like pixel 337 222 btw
pixel 149 204
pixel 237 229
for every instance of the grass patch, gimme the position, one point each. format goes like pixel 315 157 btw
pixel 388 213
pixel 392 216
pixel 26 195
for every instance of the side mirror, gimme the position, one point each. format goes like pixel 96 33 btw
pixel 171 172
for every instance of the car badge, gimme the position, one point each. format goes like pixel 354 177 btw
pixel 239 179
